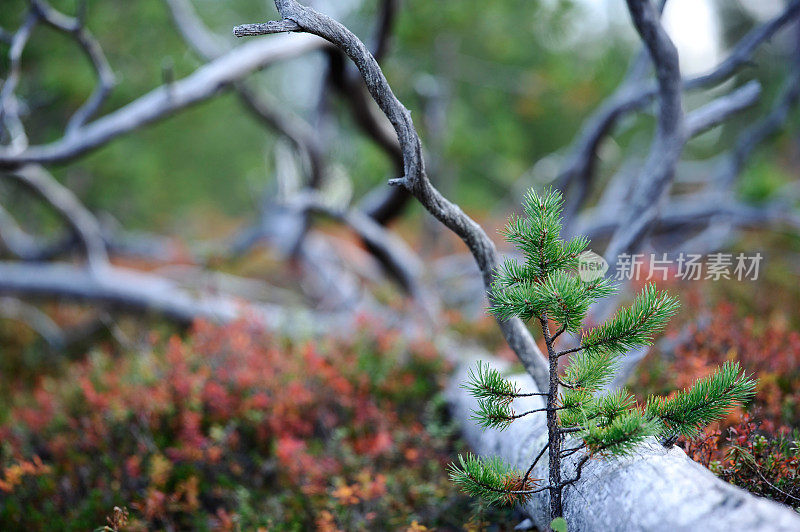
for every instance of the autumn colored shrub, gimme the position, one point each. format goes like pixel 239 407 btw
pixel 757 450
pixel 232 428
pixel 754 456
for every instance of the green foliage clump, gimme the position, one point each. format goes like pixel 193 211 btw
pixel 547 287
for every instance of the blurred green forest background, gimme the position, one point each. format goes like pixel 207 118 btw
pixel 518 78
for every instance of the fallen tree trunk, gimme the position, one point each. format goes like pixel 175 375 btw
pixel 655 489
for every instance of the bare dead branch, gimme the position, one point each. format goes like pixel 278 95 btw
pixel 580 168
pixel 685 214
pixel 656 176
pixel 129 290
pixel 105 76
pixel 60 198
pixel 415 180
pixel 633 95
pixel 383 32
pixel 394 253
pixel 721 109
pixel 266 28
pixel 204 83
pixel 210 46
pixel 9 104
pixel 744 49
pixel 381 204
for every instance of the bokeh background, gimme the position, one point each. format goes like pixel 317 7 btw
pixel 231 427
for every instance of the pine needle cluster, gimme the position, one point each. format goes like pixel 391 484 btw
pixel 546 286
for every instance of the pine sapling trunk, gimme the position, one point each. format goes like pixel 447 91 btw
pixel 553 430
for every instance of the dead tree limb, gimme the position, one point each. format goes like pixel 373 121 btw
pixel 13 129
pixel 105 76
pixel 204 83
pixel 665 151
pixel 381 204
pixel 718 111
pixel 405 263
pixel 582 160
pixel 305 138
pixel 71 210
pixel 129 290
pixel 209 47
pixel 415 179
pixel 633 95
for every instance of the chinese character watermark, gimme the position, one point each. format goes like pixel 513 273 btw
pixel 687 267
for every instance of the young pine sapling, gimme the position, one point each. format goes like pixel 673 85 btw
pixel 547 288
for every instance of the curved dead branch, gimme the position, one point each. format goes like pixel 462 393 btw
pixel 10 120
pixel 391 250
pixel 204 83
pixel 414 180
pixel 665 151
pixel 718 111
pixel 209 47
pixel 633 95
pixel 105 76
pixel 63 201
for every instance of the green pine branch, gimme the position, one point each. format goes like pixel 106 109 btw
pixel 492 480
pixel 621 436
pixel 590 370
pixel 493 415
pixel 709 399
pixel 485 382
pixel 632 327
pixel 537 237
pixel 495 395
pixel 613 405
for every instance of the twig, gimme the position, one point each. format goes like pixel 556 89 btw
pixel 535 461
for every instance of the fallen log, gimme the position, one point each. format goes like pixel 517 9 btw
pixel 654 489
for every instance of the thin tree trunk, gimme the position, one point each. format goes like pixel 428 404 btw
pixel 553 433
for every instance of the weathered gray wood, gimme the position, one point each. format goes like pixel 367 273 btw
pixel 656 489
pixel 415 179
pixel 147 293
pixel 165 100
